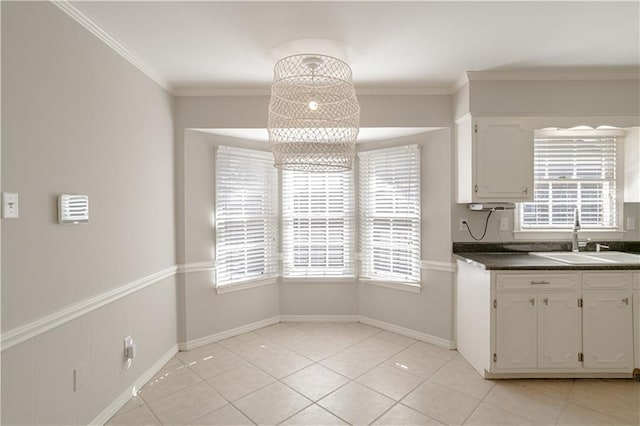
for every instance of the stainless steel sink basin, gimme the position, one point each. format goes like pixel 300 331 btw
pixel 590 258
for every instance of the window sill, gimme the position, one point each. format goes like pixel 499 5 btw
pixel 545 234
pixel 410 287
pixel 244 285
pixel 319 279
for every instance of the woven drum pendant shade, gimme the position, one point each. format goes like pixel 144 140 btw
pixel 313 114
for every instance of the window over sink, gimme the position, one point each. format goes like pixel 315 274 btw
pixel 575 169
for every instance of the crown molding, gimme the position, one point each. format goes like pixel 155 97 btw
pixel 360 91
pixel 404 90
pixel 459 84
pixel 114 44
pixel 549 75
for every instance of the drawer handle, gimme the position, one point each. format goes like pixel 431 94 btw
pixel 539 282
pixel 626 301
pixel 532 301
pixel 546 301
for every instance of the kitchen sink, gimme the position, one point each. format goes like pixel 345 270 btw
pixel 590 258
pixel 617 256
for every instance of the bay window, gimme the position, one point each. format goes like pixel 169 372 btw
pixel 246 216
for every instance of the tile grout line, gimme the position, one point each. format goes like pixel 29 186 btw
pixel 593 409
pixel 480 403
pixel 420 384
pixel 566 401
pixel 231 350
pixel 350 379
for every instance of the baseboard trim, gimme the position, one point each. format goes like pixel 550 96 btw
pixel 124 397
pixel 212 338
pixel 427 338
pixel 30 330
pixel 319 318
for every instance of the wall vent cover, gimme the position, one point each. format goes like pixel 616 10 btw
pixel 73 208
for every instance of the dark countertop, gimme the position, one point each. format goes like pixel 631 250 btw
pixel 515 255
pixel 507 261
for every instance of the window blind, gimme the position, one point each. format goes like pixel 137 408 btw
pixel 318 221
pixel 246 215
pixel 573 172
pixel 389 187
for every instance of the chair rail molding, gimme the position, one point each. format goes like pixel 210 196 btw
pixel 41 325
pixel 206 265
pixel 436 265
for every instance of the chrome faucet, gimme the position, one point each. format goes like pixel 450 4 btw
pixel 575 247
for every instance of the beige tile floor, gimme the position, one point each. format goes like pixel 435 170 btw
pixel 350 373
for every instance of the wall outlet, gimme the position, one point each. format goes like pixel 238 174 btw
pixel 631 224
pixel 79 377
pixel 504 223
pixel 463 227
pixel 9 205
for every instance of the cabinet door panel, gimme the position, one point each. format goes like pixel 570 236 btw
pixel 516 324
pixel 607 330
pixel 504 160
pixel 558 331
pixel 636 327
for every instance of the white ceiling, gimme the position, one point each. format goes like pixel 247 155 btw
pixel 228 47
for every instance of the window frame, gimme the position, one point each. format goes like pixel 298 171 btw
pixel 272 255
pixel 401 283
pixel 294 274
pixel 556 232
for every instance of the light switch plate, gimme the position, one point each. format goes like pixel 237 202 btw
pixel 9 205
pixel 504 224
pixel 463 227
pixel 631 223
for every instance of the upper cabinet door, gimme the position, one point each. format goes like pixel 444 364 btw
pixel 503 152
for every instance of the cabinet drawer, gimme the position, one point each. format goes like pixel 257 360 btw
pixel 537 281
pixel 606 281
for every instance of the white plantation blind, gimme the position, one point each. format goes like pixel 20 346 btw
pixel 573 172
pixel 246 215
pixel 389 181
pixel 318 221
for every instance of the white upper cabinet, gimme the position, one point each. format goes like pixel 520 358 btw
pixel 494 159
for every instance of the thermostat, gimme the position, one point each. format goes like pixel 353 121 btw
pixel 73 209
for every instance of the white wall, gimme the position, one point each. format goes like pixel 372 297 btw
pixel 204 311
pixel 431 311
pixel 78 118
pixel 207 313
pixel 555 97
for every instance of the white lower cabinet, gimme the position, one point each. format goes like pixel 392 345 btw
pixel 537 331
pixel 549 323
pixel 636 324
pixel 516 331
pixel 608 330
pixel 559 326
